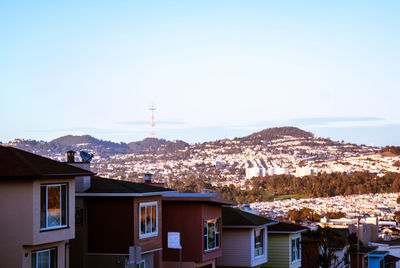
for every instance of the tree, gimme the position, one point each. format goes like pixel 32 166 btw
pixel 323 239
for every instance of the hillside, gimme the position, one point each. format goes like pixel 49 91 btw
pixel 270 134
pixel 157 146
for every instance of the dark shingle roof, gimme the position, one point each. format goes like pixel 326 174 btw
pixel 16 163
pixel 388 242
pixel 103 185
pixel 283 227
pixel 236 218
pixel 391 259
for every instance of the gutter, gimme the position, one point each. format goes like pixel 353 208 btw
pixel 248 226
pixel 287 232
pixel 122 194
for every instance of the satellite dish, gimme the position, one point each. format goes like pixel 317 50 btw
pixel 86 157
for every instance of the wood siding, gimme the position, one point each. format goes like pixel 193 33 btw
pixel 187 219
pixel 149 243
pixel 278 251
pixel 110 228
pixel 236 248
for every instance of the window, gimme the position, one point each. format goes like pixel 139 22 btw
pixel 212 230
pixel 46 258
pixel 259 242
pixel 148 224
pixel 296 249
pixel 53 206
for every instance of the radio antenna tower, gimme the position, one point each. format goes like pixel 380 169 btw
pixel 153 124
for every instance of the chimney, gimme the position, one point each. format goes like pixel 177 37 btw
pixel 70 157
pixel 82 183
pixel 148 180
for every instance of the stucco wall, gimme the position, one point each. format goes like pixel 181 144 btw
pixel 16 220
pixel 20 223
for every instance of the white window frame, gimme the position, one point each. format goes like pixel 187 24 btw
pixel 263 242
pixel 146 205
pixel 206 249
pixel 297 249
pixel 37 252
pixel 47 209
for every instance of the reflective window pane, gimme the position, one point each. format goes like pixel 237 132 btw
pixel 154 218
pixel 53 206
pixel 143 220
pixel 43 211
pixel 64 214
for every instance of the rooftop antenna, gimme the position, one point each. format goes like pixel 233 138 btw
pixel 153 124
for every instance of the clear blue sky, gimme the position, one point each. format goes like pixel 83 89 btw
pixel 213 69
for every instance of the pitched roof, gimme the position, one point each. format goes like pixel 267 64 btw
pixel 391 259
pixel 286 228
pixel 236 218
pixel 16 163
pixel 99 185
pixel 394 242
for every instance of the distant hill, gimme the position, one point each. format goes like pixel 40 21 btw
pixel 87 141
pixel 270 134
pixel 157 145
pixel 148 145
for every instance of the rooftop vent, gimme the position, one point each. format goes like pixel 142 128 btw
pixel 147 177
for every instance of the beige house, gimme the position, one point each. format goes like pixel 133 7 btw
pixel 245 239
pixel 37 205
pixel 284 245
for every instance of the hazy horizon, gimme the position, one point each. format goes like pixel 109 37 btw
pixel 212 69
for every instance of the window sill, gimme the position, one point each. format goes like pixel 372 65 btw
pixel 296 261
pixel 142 236
pixel 54 228
pixel 209 250
pixel 259 256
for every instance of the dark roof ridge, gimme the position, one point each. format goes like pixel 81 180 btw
pixel 17 163
pixel 112 187
pixel 236 218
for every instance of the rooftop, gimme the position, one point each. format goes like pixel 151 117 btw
pixel 19 164
pixel 286 228
pixel 99 185
pixel 236 218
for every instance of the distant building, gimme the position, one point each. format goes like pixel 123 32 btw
pixel 255 172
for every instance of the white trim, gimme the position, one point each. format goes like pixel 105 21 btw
pixel 248 226
pixel 121 194
pixel 298 249
pixel 66 197
pixel 287 232
pixel 215 234
pixel 49 250
pixel 152 250
pixel 263 243
pixel 146 205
